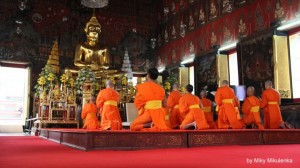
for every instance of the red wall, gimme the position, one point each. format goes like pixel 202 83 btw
pixel 252 12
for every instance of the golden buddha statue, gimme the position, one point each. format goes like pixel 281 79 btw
pixel 43 97
pixel 71 97
pixel 90 53
pixel 56 93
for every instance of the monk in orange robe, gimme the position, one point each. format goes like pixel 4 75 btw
pixel 270 103
pixel 227 117
pixel 190 104
pixel 207 109
pixel 89 114
pixel 172 104
pixel 237 106
pixel 251 109
pixel 107 101
pixel 148 101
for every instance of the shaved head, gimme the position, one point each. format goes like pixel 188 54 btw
pixel 92 99
pixel 109 83
pixel 175 86
pixel 268 84
pixel 225 83
pixel 203 93
pixel 250 91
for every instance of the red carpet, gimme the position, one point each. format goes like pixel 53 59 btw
pixel 36 152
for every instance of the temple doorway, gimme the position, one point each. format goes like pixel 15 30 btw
pixel 14 96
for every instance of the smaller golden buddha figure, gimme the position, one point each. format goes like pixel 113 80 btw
pixel 90 53
pixel 227 34
pixel 166 11
pixel 242 28
pixel 227 6
pixel 56 92
pixel 201 16
pixel 213 10
pixel 166 36
pixel 173 32
pixel 173 8
pixel 191 22
pixel 279 12
pixel 71 97
pixel 213 39
pixel 43 97
pixel 174 59
pixel 182 29
pixel 191 48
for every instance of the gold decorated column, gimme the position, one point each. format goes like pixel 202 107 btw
pixel 183 76
pixel 222 67
pixel 282 76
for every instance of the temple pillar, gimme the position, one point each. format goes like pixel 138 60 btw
pixel 222 68
pixel 282 75
pixel 183 76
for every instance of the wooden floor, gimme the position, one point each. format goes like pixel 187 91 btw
pixel 129 140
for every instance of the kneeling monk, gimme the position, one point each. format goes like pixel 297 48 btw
pixel 190 105
pixel 172 103
pixel 227 114
pixel 251 109
pixel 89 114
pixel 148 101
pixel 107 101
pixel 207 109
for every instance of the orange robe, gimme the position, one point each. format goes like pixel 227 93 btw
pixel 89 112
pixel 270 104
pixel 227 116
pixel 207 106
pixel 107 101
pixel 251 110
pixel 148 101
pixel 190 105
pixel 237 107
pixel 172 104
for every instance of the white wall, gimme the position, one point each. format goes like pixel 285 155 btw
pixel 233 69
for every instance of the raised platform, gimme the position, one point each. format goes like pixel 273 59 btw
pixel 129 140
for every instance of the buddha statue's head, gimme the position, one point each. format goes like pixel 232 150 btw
pixel 92 30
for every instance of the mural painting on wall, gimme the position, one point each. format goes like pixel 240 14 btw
pixel 257 62
pixel 213 9
pixel 242 28
pixel 279 11
pixel 140 52
pixel 227 6
pixel 206 72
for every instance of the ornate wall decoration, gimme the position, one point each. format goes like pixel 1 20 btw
pixel 206 72
pixel 227 34
pixel 174 32
pixel 202 16
pixel 284 93
pixel 257 61
pixel 259 19
pixel 166 36
pixel 213 10
pixel 191 22
pixel 260 15
pixel 279 11
pixel 242 28
pixel 227 6
pixel 213 39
